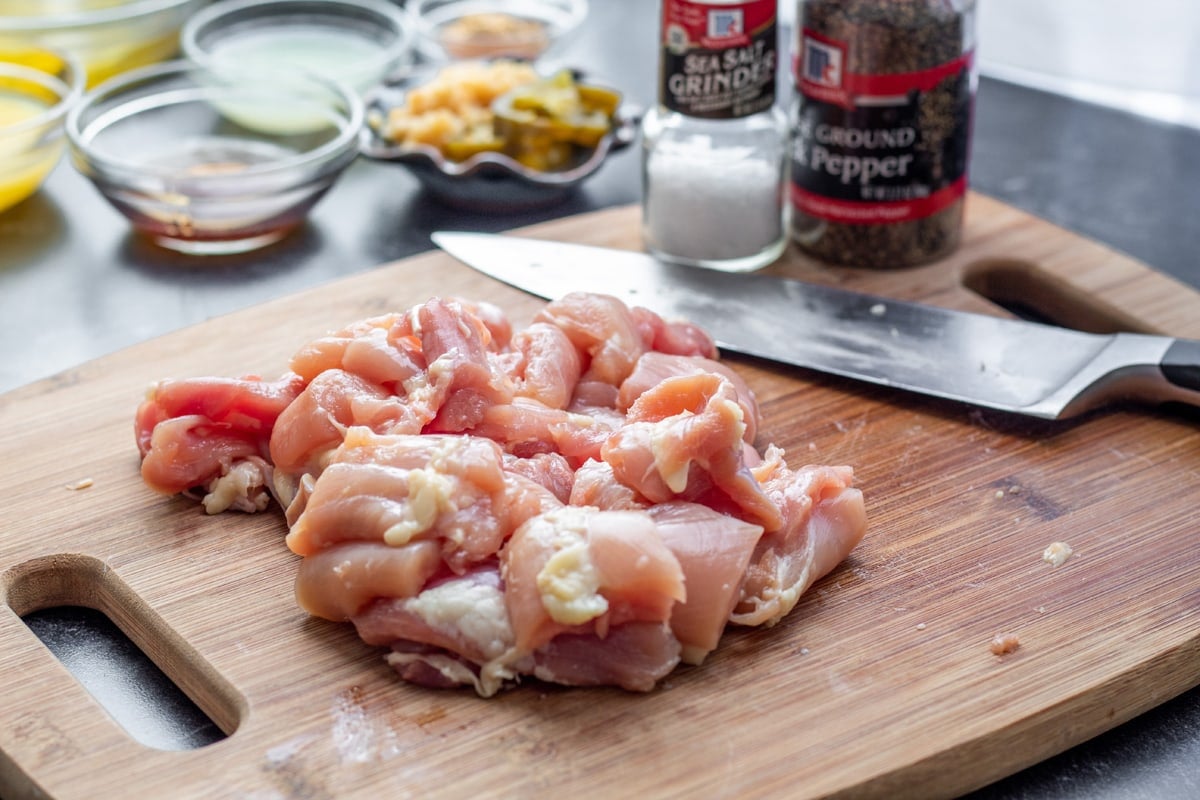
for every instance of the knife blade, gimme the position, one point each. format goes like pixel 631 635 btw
pixel 1009 365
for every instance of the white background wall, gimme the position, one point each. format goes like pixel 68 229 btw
pixel 1139 55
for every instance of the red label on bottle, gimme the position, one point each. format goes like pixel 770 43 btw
pixel 870 149
pixel 858 213
pixel 718 61
pixel 820 74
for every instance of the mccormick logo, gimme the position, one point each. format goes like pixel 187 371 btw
pixel 822 64
pixel 725 24
pixel 820 69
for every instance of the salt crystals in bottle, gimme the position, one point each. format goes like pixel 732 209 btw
pixel 714 150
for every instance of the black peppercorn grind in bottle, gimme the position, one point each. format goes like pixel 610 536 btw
pixel 881 129
pixel 715 149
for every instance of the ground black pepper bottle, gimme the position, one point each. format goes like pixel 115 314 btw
pixel 715 148
pixel 881 128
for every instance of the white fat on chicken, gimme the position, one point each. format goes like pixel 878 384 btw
pixel 475 610
pixel 423 388
pixel 568 582
pixel 664 444
pixel 242 488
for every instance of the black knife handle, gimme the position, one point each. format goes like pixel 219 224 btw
pixel 1181 364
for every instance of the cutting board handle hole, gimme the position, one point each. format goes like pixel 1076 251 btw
pixel 1032 293
pixel 149 680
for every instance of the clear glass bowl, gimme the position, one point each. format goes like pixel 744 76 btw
pixel 107 36
pixel 360 42
pixel 483 29
pixel 211 162
pixel 37 87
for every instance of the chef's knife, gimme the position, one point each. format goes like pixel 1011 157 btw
pixel 1011 365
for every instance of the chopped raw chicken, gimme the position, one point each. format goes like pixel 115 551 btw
pixel 713 550
pixel 191 433
pixel 683 439
pixel 580 502
pixel 824 518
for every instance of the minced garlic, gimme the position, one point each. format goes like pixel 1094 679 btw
pixel 428 493
pixel 569 586
pixel 568 582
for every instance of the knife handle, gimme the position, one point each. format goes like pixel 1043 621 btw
pixel 1181 364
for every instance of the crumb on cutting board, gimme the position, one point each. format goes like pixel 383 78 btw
pixel 1005 643
pixel 80 484
pixel 1057 553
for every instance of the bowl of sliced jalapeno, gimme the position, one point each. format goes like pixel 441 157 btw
pixel 496 135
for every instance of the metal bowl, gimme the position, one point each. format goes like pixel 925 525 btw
pixel 490 182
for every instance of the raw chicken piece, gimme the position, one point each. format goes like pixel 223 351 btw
pixel 525 427
pixel 582 570
pixel 713 550
pixel 193 433
pixel 314 425
pixel 375 349
pixel 190 451
pixel 455 632
pixel 551 471
pixel 336 583
pixel 674 337
pixel 525 499
pixel 685 441
pixel 596 485
pixel 401 488
pixel 456 348
pixel 655 367
pixel 548 365
pixel 248 404
pixel 492 317
pixel 634 656
pixel 824 518
pixel 603 329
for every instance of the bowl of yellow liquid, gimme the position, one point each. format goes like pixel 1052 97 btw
pixel 37 88
pixel 358 42
pixel 107 36
pixel 161 145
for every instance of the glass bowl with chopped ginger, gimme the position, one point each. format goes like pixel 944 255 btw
pixel 449 30
pixel 496 135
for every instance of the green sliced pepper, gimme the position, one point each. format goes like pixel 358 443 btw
pixel 542 122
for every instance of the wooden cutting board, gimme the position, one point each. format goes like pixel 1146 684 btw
pixel 880 683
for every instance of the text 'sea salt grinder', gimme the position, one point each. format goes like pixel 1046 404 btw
pixel 882 126
pixel 714 158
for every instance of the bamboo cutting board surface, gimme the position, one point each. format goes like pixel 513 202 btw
pixel 880 683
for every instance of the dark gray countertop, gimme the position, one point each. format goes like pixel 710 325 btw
pixel 75 284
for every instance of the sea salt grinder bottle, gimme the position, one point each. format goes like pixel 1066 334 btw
pixel 714 150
